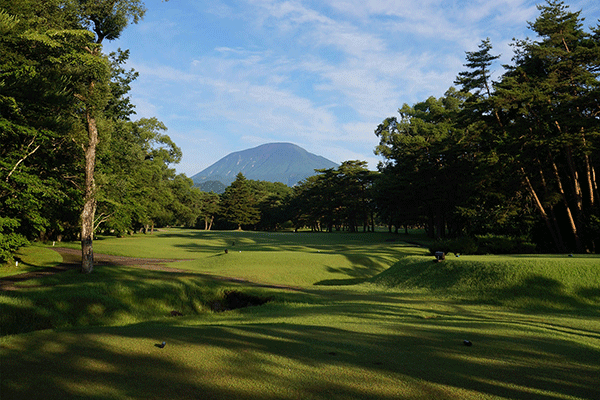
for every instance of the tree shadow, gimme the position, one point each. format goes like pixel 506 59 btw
pixel 420 359
pixel 549 295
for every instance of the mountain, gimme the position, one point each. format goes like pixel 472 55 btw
pixel 273 162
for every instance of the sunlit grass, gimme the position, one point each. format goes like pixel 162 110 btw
pixel 536 282
pixel 31 258
pixel 365 319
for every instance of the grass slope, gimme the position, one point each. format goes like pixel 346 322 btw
pixel 551 282
pixel 353 327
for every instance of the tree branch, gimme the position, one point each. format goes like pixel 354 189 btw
pixel 23 159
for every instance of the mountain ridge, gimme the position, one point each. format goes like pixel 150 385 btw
pixel 274 162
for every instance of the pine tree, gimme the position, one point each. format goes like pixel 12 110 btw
pixel 238 205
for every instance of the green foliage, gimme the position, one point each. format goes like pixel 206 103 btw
pixel 7 22
pixel 238 203
pixel 433 165
pixel 484 244
pixel 10 239
pixel 460 245
pixel 322 202
pixel 504 157
pixel 56 88
pixel 496 244
pixel 209 208
pixel 271 199
pixel 108 18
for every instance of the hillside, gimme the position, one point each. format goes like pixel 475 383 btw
pixel 273 162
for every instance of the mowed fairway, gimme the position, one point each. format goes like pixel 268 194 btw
pixel 351 316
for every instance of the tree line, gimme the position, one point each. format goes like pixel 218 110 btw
pixel 512 156
pixel 72 159
pixel 515 156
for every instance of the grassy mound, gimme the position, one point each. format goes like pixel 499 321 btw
pixel 546 282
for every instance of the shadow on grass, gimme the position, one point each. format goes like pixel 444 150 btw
pixel 111 295
pixel 362 268
pixel 489 284
pixel 549 295
pixel 425 273
pixel 345 243
pixel 385 348
pixel 424 359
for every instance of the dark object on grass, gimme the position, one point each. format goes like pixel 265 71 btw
pixel 161 345
pixel 440 256
pixel 234 299
pixel 467 343
pixel 226 251
pixel 176 313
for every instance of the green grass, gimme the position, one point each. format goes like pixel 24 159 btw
pixel 31 258
pixel 549 282
pixel 368 319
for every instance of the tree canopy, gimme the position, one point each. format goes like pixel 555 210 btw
pixel 514 156
pixel 69 144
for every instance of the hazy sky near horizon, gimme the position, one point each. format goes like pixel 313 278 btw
pixel 227 75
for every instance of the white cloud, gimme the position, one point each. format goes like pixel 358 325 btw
pixel 319 73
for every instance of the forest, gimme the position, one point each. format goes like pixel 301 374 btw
pixel 512 158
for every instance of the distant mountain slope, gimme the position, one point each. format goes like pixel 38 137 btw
pixel 273 162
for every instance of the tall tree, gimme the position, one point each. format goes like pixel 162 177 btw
pixel 551 101
pixel 238 204
pixel 209 208
pixel 137 189
pixel 498 205
pixel 107 19
pixel 432 157
pixel 38 161
pixel 270 200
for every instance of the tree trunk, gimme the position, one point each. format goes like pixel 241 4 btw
pixel 578 245
pixel 553 218
pixel 89 205
pixel 540 207
pixel 576 185
pixel 589 175
pixel 594 182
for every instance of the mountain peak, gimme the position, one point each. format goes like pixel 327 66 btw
pixel 273 162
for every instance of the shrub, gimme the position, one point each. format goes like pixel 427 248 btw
pixel 10 239
pixel 461 245
pixel 496 244
pixel 485 244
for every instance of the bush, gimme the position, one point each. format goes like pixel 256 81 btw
pixel 461 245
pixel 486 244
pixel 10 239
pixel 496 244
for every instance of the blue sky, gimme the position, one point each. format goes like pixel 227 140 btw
pixel 227 75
